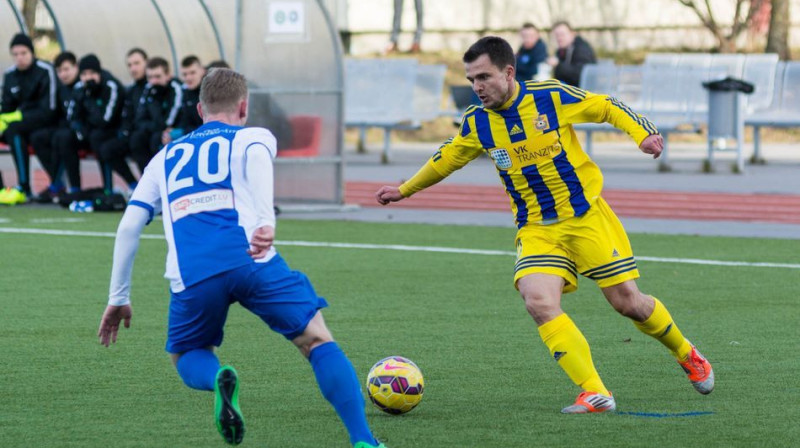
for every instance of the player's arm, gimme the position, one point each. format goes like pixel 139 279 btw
pixel 75 114
pixel 144 204
pixel 142 117
pixel 451 156
pixel 114 96
pixel 7 103
pixel 259 176
pixel 587 107
pixel 177 103
pixel 47 94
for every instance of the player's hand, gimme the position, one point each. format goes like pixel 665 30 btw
pixel 262 240
pixel 388 194
pixel 653 144
pixel 166 137
pixel 552 61
pixel 109 324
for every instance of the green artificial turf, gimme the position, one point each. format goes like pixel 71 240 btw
pixel 490 381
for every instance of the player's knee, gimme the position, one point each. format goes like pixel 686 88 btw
pixel 13 129
pixel 542 307
pixel 310 342
pixel 626 308
pixel 105 152
pixel 629 301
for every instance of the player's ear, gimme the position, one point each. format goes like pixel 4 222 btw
pixel 243 110
pixel 510 71
pixel 200 109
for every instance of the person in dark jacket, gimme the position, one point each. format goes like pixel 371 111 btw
pixel 159 109
pixel 114 151
pixel 43 140
pixel 29 102
pixel 94 115
pixel 192 73
pixel 264 111
pixel 572 54
pixel 531 53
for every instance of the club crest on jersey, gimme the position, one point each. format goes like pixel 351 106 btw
pixel 501 158
pixel 542 123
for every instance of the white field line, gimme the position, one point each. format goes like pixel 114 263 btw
pixel 57 220
pixel 399 247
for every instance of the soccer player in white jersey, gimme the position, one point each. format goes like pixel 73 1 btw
pixel 214 189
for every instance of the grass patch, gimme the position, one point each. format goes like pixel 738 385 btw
pixel 490 380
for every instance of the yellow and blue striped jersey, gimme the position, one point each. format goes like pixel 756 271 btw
pixel 546 174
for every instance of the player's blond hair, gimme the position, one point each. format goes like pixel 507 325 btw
pixel 221 90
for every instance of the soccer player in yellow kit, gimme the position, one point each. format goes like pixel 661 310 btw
pixel 565 228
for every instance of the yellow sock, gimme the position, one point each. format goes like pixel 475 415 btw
pixel 660 326
pixel 570 349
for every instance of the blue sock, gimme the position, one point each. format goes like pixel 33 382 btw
pixel 198 369
pixel 339 385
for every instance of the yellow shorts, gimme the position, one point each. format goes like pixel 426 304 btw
pixel 594 245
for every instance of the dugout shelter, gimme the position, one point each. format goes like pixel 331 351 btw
pixel 289 50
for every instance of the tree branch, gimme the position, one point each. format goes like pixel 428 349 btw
pixel 708 22
pixel 740 25
pixel 711 18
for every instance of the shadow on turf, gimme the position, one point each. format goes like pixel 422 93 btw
pixel 665 415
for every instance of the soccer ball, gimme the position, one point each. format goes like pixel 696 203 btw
pixel 395 385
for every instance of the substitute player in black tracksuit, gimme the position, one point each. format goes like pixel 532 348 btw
pixel 159 109
pixel 192 73
pixel 29 102
pixel 95 115
pixel 43 140
pixel 114 151
pixel 190 118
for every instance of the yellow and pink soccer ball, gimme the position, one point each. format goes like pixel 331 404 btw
pixel 395 385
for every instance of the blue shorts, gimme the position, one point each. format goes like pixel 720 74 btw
pixel 282 298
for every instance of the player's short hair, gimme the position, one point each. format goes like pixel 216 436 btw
pixel 136 50
pixel 157 62
pixel 65 56
pixel 189 61
pixel 561 23
pixel 530 25
pixel 498 49
pixel 221 90
pixel 219 63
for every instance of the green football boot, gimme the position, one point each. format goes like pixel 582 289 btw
pixel 367 445
pixel 228 416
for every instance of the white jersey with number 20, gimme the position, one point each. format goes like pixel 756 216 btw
pixel 214 188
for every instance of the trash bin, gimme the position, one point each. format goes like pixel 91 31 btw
pixel 726 117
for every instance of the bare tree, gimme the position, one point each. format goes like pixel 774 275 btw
pixel 726 36
pixel 778 35
pixel 29 14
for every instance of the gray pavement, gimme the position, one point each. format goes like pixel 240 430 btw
pixel 624 167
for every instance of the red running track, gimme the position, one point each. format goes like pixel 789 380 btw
pixel 775 208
